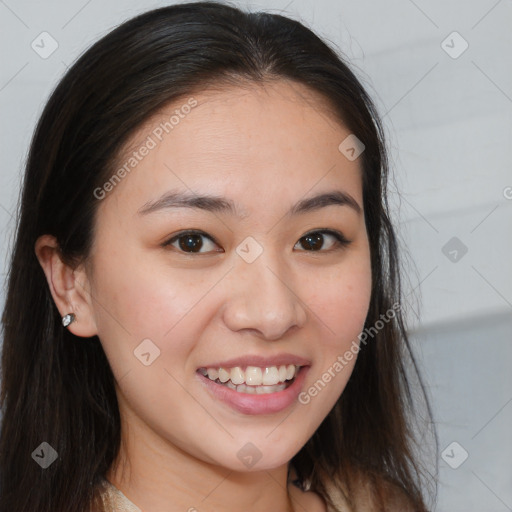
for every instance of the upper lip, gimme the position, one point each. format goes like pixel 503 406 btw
pixel 260 361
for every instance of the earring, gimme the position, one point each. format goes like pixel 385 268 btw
pixel 68 319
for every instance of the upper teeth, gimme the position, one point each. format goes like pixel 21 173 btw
pixel 252 375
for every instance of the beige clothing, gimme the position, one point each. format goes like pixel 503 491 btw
pixel 115 501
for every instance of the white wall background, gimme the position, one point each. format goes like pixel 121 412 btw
pixel 449 124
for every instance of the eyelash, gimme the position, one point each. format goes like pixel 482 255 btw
pixel 340 240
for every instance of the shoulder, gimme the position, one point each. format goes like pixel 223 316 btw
pixel 304 499
pixel 375 493
pixel 369 494
pixel 103 499
pixel 397 499
pixel 307 500
pixel 113 500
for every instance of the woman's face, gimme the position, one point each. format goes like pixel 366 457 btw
pixel 249 292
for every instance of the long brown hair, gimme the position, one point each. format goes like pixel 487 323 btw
pixel 59 389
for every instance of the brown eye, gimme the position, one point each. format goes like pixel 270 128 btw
pixel 190 242
pixel 314 241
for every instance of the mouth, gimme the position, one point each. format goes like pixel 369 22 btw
pixel 254 390
pixel 253 380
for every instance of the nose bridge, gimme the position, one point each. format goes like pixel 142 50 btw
pixel 262 297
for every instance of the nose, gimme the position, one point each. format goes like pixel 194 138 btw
pixel 263 298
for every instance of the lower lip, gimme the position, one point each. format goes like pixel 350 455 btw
pixel 267 403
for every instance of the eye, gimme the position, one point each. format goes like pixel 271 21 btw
pixel 190 242
pixel 314 240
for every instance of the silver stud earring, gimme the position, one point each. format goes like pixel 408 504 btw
pixel 68 319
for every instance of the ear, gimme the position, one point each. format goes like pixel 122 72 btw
pixel 69 287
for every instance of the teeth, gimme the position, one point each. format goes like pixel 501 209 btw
pixel 223 374
pixel 254 376
pixel 290 372
pixel 259 378
pixel 258 390
pixel 270 376
pixel 237 375
pixel 213 374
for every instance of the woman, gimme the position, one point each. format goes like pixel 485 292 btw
pixel 203 308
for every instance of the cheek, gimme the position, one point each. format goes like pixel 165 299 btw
pixel 147 332
pixel 135 302
pixel 138 296
pixel 341 302
pixel 340 305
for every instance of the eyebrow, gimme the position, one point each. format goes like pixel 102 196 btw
pixel 211 203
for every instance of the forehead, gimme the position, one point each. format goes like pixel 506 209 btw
pixel 252 139
pixel 240 114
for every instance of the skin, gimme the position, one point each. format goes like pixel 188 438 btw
pixel 264 147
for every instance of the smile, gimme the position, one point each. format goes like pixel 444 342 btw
pixel 253 379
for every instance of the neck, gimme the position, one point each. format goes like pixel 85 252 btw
pixel 158 476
